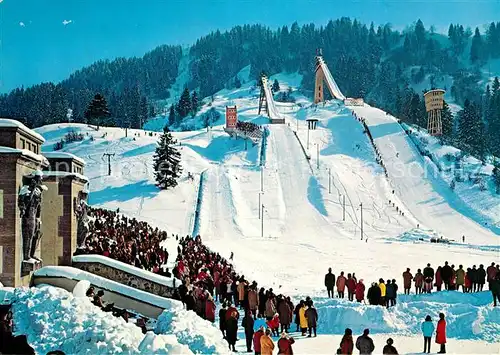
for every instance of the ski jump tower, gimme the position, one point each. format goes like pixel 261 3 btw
pixel 434 101
pixel 323 75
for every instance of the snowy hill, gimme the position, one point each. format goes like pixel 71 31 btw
pixel 303 231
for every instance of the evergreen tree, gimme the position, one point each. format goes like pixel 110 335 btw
pixel 167 160
pixel 496 176
pixel 447 121
pixel 143 111
pixel 194 103
pixel 97 110
pixel 471 129
pixel 276 86
pixel 237 82
pixel 476 49
pixel 184 105
pixel 171 116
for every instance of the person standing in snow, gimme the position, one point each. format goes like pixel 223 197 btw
pixel 407 279
pixel 460 277
pixel 247 323
pixel 383 291
pixel 374 294
pixel 210 309
pixel 312 318
pixel 491 274
pixel 303 319
pixel 389 348
pixel 481 278
pixel 351 287
pixel 266 343
pixel 253 299
pixel 495 289
pixel 389 293
pixel 439 279
pixel 341 280
pixel 241 291
pixel 360 291
pixel 429 271
pixel 232 329
pixel 346 344
pixel 222 320
pixel 256 340
pixel 441 333
pixel 419 282
pixel 330 282
pixel 427 331
pixel 262 302
pixel 285 344
pixel 296 312
pixel 396 288
pixel 446 273
pixel 285 314
pixel 270 308
pixel 364 343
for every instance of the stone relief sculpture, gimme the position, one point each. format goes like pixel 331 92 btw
pixel 29 200
pixel 81 211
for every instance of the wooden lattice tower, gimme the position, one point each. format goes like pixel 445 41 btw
pixel 434 101
pixel 263 105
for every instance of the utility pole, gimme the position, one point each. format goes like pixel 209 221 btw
pixel 329 180
pixel 361 205
pixel 262 223
pixel 317 156
pixel 308 137
pixel 109 155
pixel 260 193
pixel 262 178
pixel 343 207
pixel 297 124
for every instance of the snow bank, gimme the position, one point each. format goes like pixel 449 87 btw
pixel 53 319
pixel 201 336
pixel 468 316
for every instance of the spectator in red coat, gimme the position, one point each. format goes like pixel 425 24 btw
pixel 441 333
pixel 285 344
pixel 467 281
pixel 360 291
pixel 351 287
pixel 274 324
pixel 346 344
pixel 439 280
pixel 256 340
pixel 341 280
pixel 210 309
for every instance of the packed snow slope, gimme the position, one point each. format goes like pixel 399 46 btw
pixel 417 180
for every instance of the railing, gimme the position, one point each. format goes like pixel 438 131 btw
pixel 197 209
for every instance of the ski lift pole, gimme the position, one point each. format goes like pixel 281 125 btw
pixel 262 223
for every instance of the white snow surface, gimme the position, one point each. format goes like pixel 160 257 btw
pixel 53 319
pixel 304 231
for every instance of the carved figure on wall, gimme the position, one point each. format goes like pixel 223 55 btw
pixel 81 211
pixel 29 200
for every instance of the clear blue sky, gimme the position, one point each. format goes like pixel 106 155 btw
pixel 36 46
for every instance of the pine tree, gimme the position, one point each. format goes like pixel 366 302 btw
pixel 476 49
pixel 237 82
pixel 194 103
pixel 184 105
pixel 171 116
pixel 97 110
pixel 447 121
pixel 496 176
pixel 276 86
pixel 167 160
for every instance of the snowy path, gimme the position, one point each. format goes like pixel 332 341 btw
pixel 419 186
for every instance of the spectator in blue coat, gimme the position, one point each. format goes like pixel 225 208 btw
pixel 427 330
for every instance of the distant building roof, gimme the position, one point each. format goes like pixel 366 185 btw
pixel 63 155
pixel 7 122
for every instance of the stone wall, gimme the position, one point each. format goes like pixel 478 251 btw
pixel 125 278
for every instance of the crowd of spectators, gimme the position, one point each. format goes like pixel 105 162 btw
pixel 125 239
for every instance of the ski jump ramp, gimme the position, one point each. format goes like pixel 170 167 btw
pixel 266 102
pixel 323 75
